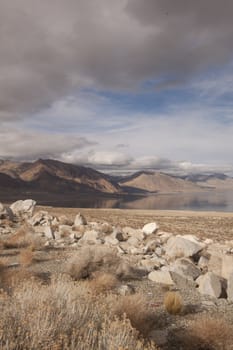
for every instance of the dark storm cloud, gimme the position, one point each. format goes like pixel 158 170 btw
pixel 51 48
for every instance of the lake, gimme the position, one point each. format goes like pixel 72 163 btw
pixel 203 201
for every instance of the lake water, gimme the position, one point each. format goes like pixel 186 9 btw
pixel 203 201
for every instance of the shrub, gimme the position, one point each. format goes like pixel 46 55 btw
pixel 62 316
pixel 210 333
pixel 103 282
pixel 91 259
pixel 173 303
pixel 135 308
pixel 26 256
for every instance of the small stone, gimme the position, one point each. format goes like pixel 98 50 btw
pixel 150 228
pixel 80 220
pixel 125 289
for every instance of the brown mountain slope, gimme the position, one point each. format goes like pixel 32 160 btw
pixel 159 182
pixel 45 171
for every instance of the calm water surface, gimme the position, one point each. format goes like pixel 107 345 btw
pixel 204 201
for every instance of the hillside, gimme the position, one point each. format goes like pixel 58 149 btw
pixel 53 175
pixel 158 182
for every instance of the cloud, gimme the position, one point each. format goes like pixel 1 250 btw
pixel 98 159
pixel 52 49
pixel 30 144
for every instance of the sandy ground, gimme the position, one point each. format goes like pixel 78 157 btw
pixel 215 225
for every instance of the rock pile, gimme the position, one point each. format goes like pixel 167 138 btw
pixel 163 255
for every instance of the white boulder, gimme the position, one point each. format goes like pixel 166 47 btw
pixel 150 228
pixel 179 246
pixel 23 208
pixel 162 277
pixel 210 284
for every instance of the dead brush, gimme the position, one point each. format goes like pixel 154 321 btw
pixel 26 256
pixel 88 260
pixel 21 239
pixel 135 308
pixel 173 303
pixel 63 317
pixel 209 333
pixel 103 282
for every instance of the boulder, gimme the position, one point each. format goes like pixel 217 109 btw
pixel 41 218
pixel 65 231
pixel 64 220
pixel 186 268
pixel 80 220
pixel 151 264
pixel 23 208
pixel 179 246
pixel 90 236
pixel 120 235
pixel 111 240
pixel 150 228
pixel 2 211
pixel 162 277
pixel 221 264
pixel 230 287
pixel 210 284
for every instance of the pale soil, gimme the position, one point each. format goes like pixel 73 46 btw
pixel 215 225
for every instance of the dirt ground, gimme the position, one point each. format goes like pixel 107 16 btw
pixel 215 225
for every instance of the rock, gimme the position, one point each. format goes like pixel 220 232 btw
pixel 63 220
pixel 151 245
pixel 133 241
pixel 164 236
pixel 65 231
pixel 227 266
pixel 126 289
pixel 162 277
pixel 111 240
pixel 159 336
pixel 179 246
pixel 150 264
pixel 48 233
pixel 210 284
pixel 91 236
pixel 230 287
pixel 23 209
pixel 150 228
pixel 203 262
pixel 2 211
pixel 120 235
pixel 186 268
pixel 41 218
pixel 221 264
pixel 132 232
pixel 80 220
pixel 106 228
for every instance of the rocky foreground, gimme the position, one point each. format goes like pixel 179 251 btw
pixel 201 269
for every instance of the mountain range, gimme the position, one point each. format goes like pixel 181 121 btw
pixel 47 176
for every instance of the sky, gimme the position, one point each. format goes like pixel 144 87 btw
pixel 118 85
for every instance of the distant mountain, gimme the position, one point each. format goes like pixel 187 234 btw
pixel 52 175
pixel 46 177
pixel 158 182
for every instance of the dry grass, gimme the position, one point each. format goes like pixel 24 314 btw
pixel 173 303
pixel 63 316
pixel 21 239
pixel 88 260
pixel 210 333
pixel 26 256
pixel 135 308
pixel 103 282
